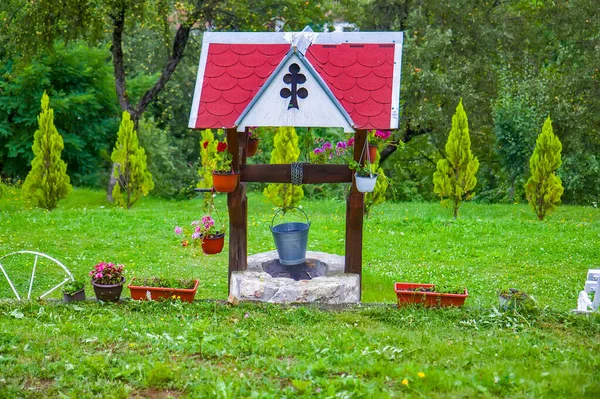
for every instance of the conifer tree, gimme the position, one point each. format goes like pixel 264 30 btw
pixel 208 149
pixel 131 172
pixel 544 188
pixel 47 182
pixel 455 175
pixel 285 151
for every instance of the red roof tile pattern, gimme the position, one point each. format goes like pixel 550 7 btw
pixel 360 77
pixel 233 75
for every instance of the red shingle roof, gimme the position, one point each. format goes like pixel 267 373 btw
pixel 233 75
pixel 360 77
pixel 359 74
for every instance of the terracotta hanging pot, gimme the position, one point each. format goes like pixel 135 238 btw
pixel 372 152
pixel 225 182
pixel 252 147
pixel 214 244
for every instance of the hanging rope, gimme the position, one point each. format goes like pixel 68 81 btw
pixel 368 156
pixel 297 173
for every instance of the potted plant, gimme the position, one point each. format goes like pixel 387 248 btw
pixel 515 299
pixel 376 136
pixel 253 140
pixel 429 295
pixel 153 288
pixel 364 177
pixel 204 233
pixel 108 280
pixel 74 291
pixel 224 177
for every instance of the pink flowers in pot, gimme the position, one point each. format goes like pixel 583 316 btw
pixel 201 229
pixel 378 135
pixel 325 151
pixel 107 273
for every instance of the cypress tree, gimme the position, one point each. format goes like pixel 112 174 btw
pixel 133 177
pixel 455 175
pixel 47 182
pixel 544 188
pixel 285 151
pixel 208 149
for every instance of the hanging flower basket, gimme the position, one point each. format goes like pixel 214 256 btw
pixel 225 182
pixel 213 244
pixel 252 147
pixel 410 293
pixel 365 184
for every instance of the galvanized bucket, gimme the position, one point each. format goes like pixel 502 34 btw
pixel 291 240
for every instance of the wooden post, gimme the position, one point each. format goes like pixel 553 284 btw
pixel 237 204
pixel 354 216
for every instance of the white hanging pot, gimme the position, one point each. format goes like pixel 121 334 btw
pixel 365 184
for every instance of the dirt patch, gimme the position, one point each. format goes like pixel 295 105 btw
pixel 152 393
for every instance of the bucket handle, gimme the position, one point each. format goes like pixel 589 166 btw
pixel 281 209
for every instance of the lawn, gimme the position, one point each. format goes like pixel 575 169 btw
pixel 210 349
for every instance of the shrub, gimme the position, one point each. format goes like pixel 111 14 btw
pixel 133 177
pixel 47 182
pixel 285 151
pixel 544 188
pixel 455 175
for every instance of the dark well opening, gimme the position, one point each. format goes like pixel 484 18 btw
pixel 304 271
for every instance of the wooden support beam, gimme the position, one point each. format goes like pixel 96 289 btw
pixel 237 205
pixel 354 216
pixel 312 174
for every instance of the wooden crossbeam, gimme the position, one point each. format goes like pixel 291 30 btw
pixel 312 174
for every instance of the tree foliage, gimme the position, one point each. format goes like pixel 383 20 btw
pixel 544 188
pixel 133 178
pixel 285 151
pixel 80 83
pixel 47 182
pixel 455 178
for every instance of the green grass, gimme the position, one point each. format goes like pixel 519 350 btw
pixel 209 349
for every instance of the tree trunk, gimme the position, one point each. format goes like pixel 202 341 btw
pixel 408 135
pixel 179 44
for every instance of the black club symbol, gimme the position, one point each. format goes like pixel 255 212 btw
pixel 294 79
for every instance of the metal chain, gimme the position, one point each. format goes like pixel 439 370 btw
pixel 297 172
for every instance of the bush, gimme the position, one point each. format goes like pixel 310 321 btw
pixel 131 170
pixel 47 182
pixel 544 188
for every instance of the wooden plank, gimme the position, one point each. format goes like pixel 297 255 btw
pixel 237 205
pixel 354 217
pixel 312 174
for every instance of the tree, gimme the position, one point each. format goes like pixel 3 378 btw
pixel 455 175
pixel 131 171
pixel 544 188
pixel 285 151
pixel 47 182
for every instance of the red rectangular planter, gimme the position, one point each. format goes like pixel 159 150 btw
pixel 141 293
pixel 429 299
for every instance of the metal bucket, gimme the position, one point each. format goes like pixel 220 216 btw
pixel 291 240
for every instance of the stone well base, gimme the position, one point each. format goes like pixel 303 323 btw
pixel 335 287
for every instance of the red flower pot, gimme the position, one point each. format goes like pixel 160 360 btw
pixel 372 153
pixel 225 182
pixel 406 295
pixel 252 147
pixel 142 293
pixel 214 244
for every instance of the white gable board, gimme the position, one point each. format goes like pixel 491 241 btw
pixel 317 109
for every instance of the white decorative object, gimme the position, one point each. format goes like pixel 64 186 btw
pixel 68 278
pixel 365 184
pixel 583 302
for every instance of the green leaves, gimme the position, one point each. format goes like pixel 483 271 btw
pixel 47 182
pixel 133 178
pixel 455 175
pixel 544 188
